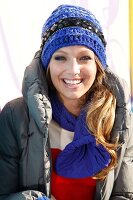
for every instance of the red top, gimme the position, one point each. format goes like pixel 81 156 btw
pixel 71 188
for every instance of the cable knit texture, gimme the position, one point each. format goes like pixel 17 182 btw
pixel 82 157
pixel 57 34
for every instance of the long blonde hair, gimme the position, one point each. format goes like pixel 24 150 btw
pixel 100 117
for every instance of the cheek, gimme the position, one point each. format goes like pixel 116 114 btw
pixel 54 75
pixel 55 70
pixel 92 73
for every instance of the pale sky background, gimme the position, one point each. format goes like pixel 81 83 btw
pixel 21 24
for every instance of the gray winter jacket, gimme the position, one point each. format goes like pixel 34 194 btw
pixel 24 143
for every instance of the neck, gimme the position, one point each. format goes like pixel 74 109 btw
pixel 74 106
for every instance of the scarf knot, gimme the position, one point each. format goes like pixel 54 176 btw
pixel 82 157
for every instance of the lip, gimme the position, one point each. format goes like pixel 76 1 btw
pixel 72 86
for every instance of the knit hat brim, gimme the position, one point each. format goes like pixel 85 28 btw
pixel 73 36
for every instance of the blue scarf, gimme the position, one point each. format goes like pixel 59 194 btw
pixel 82 157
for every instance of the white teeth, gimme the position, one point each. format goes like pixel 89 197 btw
pixel 72 82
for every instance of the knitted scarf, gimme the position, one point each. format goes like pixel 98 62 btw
pixel 82 157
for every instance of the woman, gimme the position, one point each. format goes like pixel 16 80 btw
pixel 69 136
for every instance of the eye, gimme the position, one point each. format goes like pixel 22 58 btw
pixel 59 58
pixel 85 58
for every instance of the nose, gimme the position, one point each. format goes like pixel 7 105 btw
pixel 74 67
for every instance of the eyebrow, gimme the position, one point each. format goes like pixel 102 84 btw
pixel 60 51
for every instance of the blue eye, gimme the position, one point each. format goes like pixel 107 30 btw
pixel 60 58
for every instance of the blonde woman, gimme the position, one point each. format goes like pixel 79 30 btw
pixel 70 135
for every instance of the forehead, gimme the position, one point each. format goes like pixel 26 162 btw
pixel 74 49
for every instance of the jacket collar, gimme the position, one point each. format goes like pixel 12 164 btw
pixel 35 93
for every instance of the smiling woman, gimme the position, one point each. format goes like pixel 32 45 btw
pixel 69 136
pixel 72 71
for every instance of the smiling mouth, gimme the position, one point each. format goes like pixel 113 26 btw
pixel 72 82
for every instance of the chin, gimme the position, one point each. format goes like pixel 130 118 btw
pixel 74 96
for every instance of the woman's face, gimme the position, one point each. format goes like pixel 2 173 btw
pixel 73 71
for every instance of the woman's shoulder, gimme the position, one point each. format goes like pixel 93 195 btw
pixel 14 117
pixel 15 107
pixel 13 125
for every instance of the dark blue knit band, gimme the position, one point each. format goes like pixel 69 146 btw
pixel 56 35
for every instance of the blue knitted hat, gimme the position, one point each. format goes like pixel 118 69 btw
pixel 72 25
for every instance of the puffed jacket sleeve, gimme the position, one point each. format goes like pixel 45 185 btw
pixel 123 187
pixel 9 160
